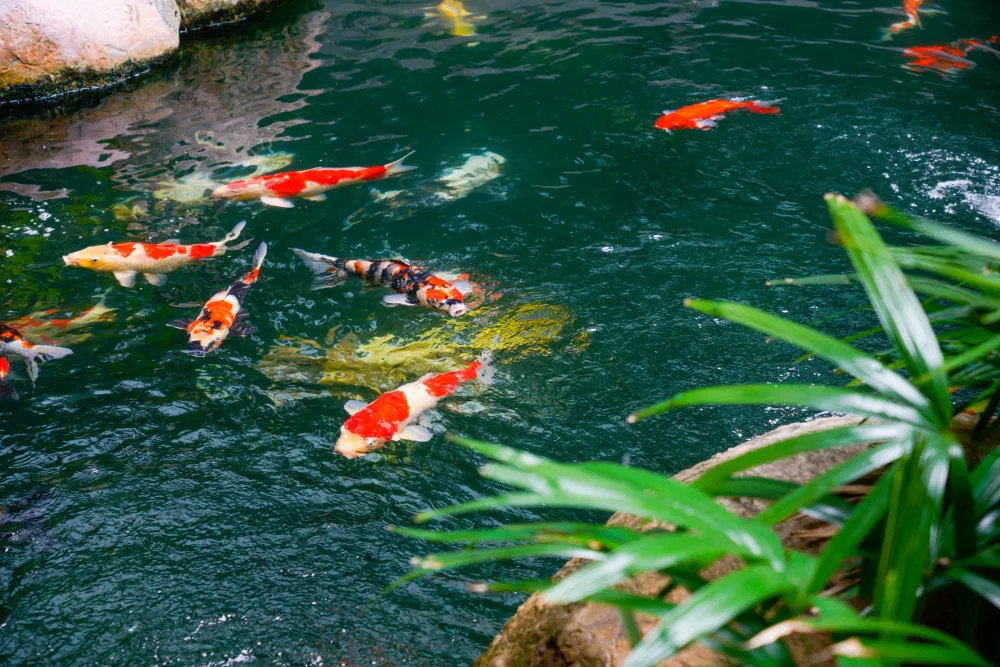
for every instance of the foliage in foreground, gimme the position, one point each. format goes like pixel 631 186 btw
pixel 929 527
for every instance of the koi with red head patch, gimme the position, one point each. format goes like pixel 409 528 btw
pixel 913 10
pixel 311 184
pixel 944 59
pixel 13 343
pixel 222 314
pixel 6 391
pixel 393 416
pixel 152 260
pixel 703 116
pixel 414 285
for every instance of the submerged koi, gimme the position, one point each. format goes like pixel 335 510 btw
pixel 311 184
pixel 222 314
pixel 457 16
pixel 415 286
pixel 13 343
pixel 152 260
pixel 945 59
pixel 392 415
pixel 6 391
pixel 703 116
pixel 913 10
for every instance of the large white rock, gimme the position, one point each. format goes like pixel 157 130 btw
pixel 60 37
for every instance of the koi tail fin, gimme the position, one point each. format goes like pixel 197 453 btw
pixel 43 353
pixel 483 367
pixel 328 271
pixel 397 167
pixel 258 257
pixel 764 108
pixel 222 246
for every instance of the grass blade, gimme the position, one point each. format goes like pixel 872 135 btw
pixel 848 471
pixel 849 359
pixel 980 585
pixel 816 397
pixel 706 611
pixel 836 437
pixel 897 306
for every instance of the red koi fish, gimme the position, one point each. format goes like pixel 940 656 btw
pixel 13 343
pixel 6 391
pixel 945 59
pixel 393 416
pixel 913 10
pixel 415 286
pixel 152 260
pixel 311 184
pixel 222 314
pixel 703 116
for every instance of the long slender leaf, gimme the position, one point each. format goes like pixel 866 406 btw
pixel 889 652
pixel 848 471
pixel 653 553
pixel 828 439
pixel 452 559
pixel 895 303
pixel 844 544
pixel 980 585
pixel 851 360
pixel 830 509
pixel 567 533
pixel 919 484
pixel 628 490
pixel 804 396
pixel 706 611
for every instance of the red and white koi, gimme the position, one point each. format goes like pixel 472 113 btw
pixel 415 286
pixel 311 184
pixel 703 116
pixel 152 260
pixel 6 391
pixel 913 10
pixel 222 314
pixel 12 343
pixel 393 415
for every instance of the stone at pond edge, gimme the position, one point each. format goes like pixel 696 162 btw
pixel 589 635
pixel 50 44
pixel 201 13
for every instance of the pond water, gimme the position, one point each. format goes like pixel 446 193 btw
pixel 162 509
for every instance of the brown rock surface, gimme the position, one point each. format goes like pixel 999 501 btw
pixel 198 13
pixel 53 38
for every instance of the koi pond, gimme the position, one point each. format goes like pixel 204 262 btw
pixel 158 508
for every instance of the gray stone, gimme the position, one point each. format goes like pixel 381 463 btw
pixel 198 13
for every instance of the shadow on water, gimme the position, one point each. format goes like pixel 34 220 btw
pixel 167 510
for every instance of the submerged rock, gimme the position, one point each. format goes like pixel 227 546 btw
pixel 47 46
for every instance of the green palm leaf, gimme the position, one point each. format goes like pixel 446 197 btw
pixel 895 303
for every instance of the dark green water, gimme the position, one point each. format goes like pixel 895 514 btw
pixel 160 509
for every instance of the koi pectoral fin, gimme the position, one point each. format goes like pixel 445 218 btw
pixel 464 286
pixel 397 300
pixel 179 324
pixel 354 406
pixel 7 392
pixel 414 433
pixel 705 124
pixel 125 278
pixel 242 329
pixel 320 197
pixel 279 202
pixel 158 279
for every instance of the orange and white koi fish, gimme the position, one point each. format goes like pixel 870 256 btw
pixel 13 343
pixel 47 327
pixel 6 391
pixel 703 116
pixel 913 10
pixel 946 59
pixel 152 260
pixel 311 184
pixel 393 415
pixel 222 314
pixel 415 286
